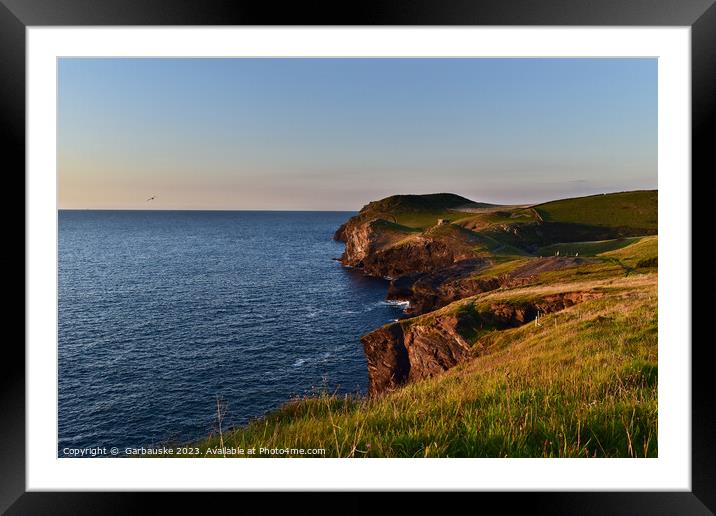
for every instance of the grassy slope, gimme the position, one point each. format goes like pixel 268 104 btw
pixel 501 265
pixel 578 225
pixel 586 248
pixel 419 211
pixel 418 203
pixel 424 219
pixel 626 209
pixel 584 383
pixel 502 215
pixel 457 237
pixel 489 246
pixel 643 252
pixel 567 220
pixel 638 257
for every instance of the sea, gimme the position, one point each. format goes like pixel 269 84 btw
pixel 170 321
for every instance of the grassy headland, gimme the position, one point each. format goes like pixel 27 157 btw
pixel 560 353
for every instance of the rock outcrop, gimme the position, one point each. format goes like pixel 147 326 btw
pixel 429 291
pixel 398 355
pixel 426 346
pixel 385 249
pixel 447 259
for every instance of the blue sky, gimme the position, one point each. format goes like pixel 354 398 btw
pixel 334 134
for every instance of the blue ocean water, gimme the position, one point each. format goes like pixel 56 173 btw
pixel 161 312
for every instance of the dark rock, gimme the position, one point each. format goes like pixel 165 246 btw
pixel 388 363
pixel 427 346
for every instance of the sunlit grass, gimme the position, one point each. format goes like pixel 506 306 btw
pixel 586 248
pixel 625 209
pixel 581 384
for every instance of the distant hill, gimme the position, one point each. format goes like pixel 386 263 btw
pixel 581 219
pixel 634 210
pixel 427 202
pixel 419 211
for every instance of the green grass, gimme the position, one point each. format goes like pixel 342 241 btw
pixel 386 225
pixel 642 253
pixel 586 248
pixel 419 211
pixel 458 237
pixel 584 384
pixel 502 265
pixel 490 246
pixel 582 219
pixel 426 202
pixel 601 269
pixel 638 257
pixel 626 209
pixel 423 219
pixel 501 215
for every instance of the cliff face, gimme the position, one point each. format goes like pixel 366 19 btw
pixel 426 346
pixel 435 263
pixel 382 248
pixel 361 239
pixel 398 355
pixel 420 265
pixel 420 254
pixel 428 291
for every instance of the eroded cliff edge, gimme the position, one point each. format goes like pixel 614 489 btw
pixel 425 346
pixel 440 253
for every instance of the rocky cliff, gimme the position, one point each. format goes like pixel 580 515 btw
pixel 432 264
pixel 425 346
pixel 385 249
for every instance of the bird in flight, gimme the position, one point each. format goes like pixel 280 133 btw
pixel 150 199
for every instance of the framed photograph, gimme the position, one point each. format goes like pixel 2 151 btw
pixel 434 248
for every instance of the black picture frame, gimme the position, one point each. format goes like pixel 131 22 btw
pixel 700 15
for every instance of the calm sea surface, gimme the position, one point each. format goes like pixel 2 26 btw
pixel 160 313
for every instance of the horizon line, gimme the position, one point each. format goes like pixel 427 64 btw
pixel 358 209
pixel 200 209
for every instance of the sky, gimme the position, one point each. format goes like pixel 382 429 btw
pixel 334 134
